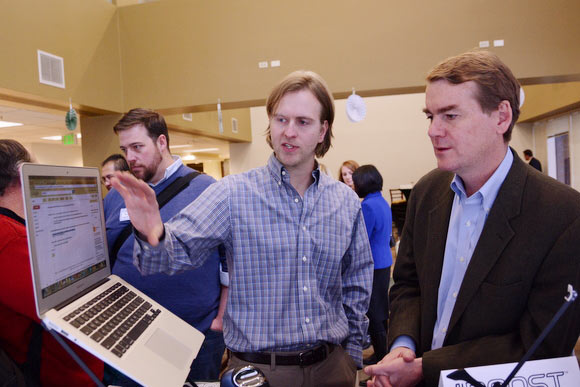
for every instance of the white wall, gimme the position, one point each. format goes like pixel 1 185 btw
pixel 393 137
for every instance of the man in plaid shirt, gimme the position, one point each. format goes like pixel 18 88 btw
pixel 298 253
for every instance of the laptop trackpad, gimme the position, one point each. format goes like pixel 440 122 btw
pixel 169 348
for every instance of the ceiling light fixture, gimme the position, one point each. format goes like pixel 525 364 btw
pixel 202 150
pixel 58 138
pixel 7 124
pixel 52 138
pixel 189 158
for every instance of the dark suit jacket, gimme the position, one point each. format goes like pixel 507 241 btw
pixel 527 254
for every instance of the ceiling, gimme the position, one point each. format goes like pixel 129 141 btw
pixel 37 125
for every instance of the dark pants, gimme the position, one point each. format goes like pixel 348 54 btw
pixel 337 370
pixel 378 313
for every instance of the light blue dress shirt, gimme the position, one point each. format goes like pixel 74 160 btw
pixel 468 216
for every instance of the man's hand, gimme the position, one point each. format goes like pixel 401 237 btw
pixel 141 205
pixel 399 368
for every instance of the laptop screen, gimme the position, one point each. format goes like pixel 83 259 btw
pixel 67 223
pixel 66 233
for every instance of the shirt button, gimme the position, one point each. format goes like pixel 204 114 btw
pixel 468 223
pixel 461 259
pixel 279 183
pixel 304 258
pixel 296 200
pixel 444 330
pixel 304 228
pixel 307 320
pixel 305 288
pixel 454 294
pixel 283 173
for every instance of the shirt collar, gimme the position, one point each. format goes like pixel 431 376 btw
pixel 279 172
pixel 489 190
pixel 170 170
pixel 11 214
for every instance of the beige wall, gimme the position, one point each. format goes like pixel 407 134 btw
pixel 213 168
pixel 192 52
pixel 84 33
pixel 56 154
pixel 393 137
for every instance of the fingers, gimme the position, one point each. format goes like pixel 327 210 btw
pixel 377 369
pixel 379 381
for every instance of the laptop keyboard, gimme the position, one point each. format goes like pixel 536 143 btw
pixel 115 318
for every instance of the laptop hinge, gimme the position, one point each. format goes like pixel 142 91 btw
pixel 79 295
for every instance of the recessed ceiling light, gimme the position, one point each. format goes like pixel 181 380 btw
pixel 58 138
pixel 6 124
pixel 202 150
pixel 189 158
pixel 52 138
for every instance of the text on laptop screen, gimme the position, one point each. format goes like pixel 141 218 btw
pixel 67 229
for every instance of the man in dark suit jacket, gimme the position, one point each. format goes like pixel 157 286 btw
pixel 534 162
pixel 489 245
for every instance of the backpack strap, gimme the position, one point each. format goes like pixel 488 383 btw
pixel 162 198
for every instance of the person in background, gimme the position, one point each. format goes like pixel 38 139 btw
pixel 345 172
pixel 489 245
pixel 534 162
pixel 114 162
pixel 368 184
pixel 19 322
pixel 299 258
pixel 194 296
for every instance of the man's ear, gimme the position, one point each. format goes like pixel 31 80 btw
pixel 504 119
pixel 162 142
pixel 323 130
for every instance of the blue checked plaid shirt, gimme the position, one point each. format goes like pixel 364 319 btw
pixel 300 269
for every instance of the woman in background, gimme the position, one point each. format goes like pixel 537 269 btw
pixel 368 184
pixel 345 172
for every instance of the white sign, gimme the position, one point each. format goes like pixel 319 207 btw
pixel 558 372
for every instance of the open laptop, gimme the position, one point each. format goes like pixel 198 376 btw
pixel 75 292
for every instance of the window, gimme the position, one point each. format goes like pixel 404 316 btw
pixel 559 157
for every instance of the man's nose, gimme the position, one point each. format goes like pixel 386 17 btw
pixel 436 128
pixel 130 156
pixel 291 129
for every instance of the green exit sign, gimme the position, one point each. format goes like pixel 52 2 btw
pixel 68 139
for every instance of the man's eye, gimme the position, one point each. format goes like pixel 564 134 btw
pixel 124 150
pixel 450 116
pixel 429 117
pixel 303 122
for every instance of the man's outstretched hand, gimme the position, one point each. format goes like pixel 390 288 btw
pixel 141 204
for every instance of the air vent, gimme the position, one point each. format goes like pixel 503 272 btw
pixel 234 125
pixel 187 117
pixel 50 69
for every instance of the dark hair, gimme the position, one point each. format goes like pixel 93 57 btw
pixel 528 152
pixel 366 180
pixel 119 162
pixel 297 81
pixel 12 154
pixel 495 81
pixel 151 120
